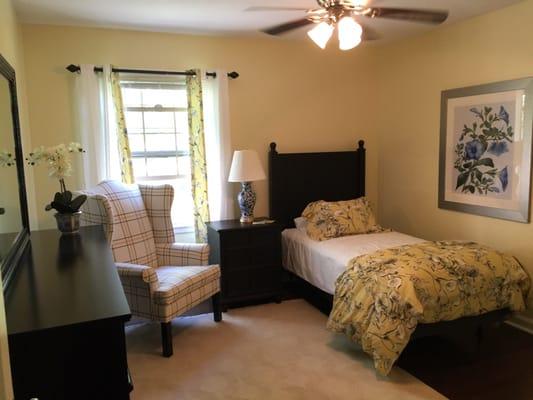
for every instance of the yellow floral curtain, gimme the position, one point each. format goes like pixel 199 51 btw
pixel 126 168
pixel 197 155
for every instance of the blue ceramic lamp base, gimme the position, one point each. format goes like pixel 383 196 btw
pixel 246 200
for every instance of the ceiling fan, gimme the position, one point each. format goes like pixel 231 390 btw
pixel 340 14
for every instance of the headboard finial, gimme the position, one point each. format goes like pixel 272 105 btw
pixel 361 144
pixel 273 147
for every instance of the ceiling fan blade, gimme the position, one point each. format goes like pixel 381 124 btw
pixel 369 34
pixel 424 16
pixel 267 8
pixel 288 26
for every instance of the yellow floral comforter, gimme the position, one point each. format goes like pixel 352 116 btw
pixel 381 297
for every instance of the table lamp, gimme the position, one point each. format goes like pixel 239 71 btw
pixel 246 168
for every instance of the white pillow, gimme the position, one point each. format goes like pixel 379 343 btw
pixel 301 224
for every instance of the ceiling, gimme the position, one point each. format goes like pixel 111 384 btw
pixel 226 17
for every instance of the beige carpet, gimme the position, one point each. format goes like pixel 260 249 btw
pixel 271 351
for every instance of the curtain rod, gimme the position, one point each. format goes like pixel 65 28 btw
pixel 76 68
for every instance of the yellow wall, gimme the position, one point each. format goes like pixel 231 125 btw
pixel 288 92
pixel 412 74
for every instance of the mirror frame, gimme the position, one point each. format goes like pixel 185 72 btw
pixel 10 262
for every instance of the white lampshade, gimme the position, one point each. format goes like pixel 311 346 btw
pixel 246 167
pixel 349 33
pixel 320 34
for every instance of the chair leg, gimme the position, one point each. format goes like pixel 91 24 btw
pixel 217 312
pixel 166 338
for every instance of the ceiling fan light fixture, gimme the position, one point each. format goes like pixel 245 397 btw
pixel 349 44
pixel 344 15
pixel 321 34
pixel 350 33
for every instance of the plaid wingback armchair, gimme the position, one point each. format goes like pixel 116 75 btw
pixel 161 279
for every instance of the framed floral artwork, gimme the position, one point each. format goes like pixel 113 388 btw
pixel 485 149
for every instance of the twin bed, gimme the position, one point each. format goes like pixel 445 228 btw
pixel 321 263
pixel 297 179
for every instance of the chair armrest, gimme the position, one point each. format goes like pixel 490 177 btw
pixel 182 254
pixel 137 275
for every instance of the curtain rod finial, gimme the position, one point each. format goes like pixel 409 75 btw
pixel 73 68
pixel 233 75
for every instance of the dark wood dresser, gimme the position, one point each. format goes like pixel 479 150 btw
pixel 250 260
pixel 66 311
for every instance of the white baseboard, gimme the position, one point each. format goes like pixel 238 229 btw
pixel 523 321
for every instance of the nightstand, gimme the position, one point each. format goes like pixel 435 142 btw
pixel 249 256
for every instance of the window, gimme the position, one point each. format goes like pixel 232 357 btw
pixel 155 109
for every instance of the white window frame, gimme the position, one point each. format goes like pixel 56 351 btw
pixel 140 83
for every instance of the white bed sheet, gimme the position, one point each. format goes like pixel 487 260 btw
pixel 321 263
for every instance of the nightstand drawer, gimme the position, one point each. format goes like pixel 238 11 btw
pixel 236 258
pixel 236 284
pixel 251 282
pixel 266 279
pixel 265 238
pixel 235 240
pixel 249 257
pixel 265 256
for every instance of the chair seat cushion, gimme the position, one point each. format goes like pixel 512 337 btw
pixel 178 282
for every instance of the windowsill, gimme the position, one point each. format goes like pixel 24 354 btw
pixel 184 235
pixel 183 229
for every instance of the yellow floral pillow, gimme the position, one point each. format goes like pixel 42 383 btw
pixel 328 220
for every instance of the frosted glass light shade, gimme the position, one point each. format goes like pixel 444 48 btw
pixel 320 34
pixel 349 33
pixel 246 167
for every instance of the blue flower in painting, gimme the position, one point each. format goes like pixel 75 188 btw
pixel 474 150
pixel 498 148
pixel 504 115
pixel 504 178
pixel 477 112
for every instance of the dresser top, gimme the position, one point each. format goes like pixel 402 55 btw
pixel 65 280
pixel 235 224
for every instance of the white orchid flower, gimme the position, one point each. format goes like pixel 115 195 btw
pixel 6 158
pixel 57 158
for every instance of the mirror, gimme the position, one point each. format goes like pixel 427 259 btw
pixel 14 227
pixel 10 214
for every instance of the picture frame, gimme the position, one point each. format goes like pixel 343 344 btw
pixel 485 149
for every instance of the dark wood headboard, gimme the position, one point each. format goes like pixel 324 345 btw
pixel 296 179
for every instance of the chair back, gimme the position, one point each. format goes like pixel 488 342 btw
pixel 121 210
pixel 158 201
